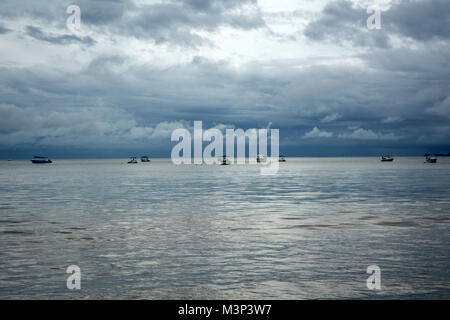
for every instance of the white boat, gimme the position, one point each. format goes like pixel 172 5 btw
pixel 429 159
pixel 282 159
pixel 145 159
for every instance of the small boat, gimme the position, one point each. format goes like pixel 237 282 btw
pixel 145 159
pixel 260 158
pixel 37 159
pixel 282 159
pixel 429 159
pixel 224 161
pixel 387 159
pixel 133 160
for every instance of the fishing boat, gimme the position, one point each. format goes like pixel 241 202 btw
pixel 224 161
pixel 39 160
pixel 429 159
pixel 387 159
pixel 260 158
pixel 282 159
pixel 145 159
pixel 133 160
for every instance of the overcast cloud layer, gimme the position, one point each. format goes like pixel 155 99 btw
pixel 139 69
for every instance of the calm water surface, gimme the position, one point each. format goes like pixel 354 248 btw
pixel 160 231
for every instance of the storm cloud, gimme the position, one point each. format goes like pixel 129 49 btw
pixel 137 70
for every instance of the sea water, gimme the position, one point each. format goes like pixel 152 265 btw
pixel 160 231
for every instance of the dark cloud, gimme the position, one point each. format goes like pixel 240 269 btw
pixel 423 20
pixel 104 64
pixel 29 8
pixel 215 6
pixel 104 12
pixel 137 98
pixel 177 22
pixel 391 96
pixel 173 21
pixel 341 21
pixel 4 30
pixel 64 39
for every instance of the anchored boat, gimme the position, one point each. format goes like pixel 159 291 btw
pixel 224 161
pixel 429 159
pixel 39 160
pixel 133 160
pixel 145 159
pixel 260 158
pixel 387 159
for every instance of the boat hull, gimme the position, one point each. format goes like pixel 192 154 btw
pixel 41 161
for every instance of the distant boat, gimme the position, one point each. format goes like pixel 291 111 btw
pixel 260 158
pixel 387 159
pixel 37 159
pixel 145 159
pixel 133 160
pixel 224 161
pixel 282 159
pixel 429 159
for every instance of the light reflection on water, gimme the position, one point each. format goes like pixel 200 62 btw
pixel 159 231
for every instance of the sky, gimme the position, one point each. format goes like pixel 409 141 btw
pixel 136 70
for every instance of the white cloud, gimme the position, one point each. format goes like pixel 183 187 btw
pixel 441 109
pixel 363 134
pixel 391 120
pixel 331 118
pixel 317 133
pixel 163 130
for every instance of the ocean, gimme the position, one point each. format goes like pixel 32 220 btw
pixel 160 231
